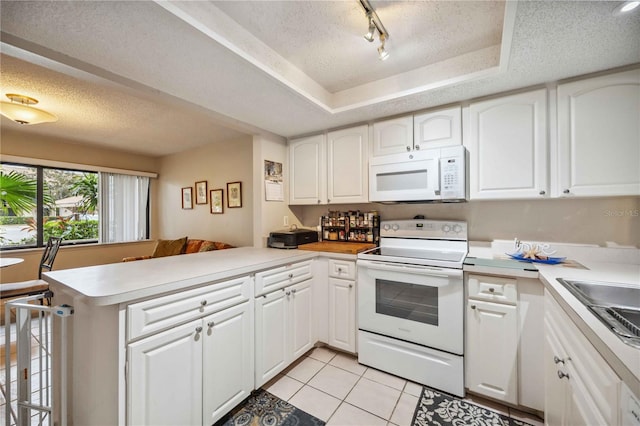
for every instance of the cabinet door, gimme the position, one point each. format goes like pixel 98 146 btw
pixel 165 377
pixel 393 136
pixel 342 314
pixel 507 146
pixel 598 136
pixel 492 349
pixel 228 360
pixel 438 128
pixel 556 388
pixel 272 353
pixel 307 162
pixel 301 325
pixel 347 165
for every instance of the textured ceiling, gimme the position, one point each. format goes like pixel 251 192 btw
pixel 325 39
pixel 162 77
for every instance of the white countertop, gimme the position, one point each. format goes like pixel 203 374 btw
pixel 123 282
pixel 624 359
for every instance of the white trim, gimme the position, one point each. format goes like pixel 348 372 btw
pixel 74 166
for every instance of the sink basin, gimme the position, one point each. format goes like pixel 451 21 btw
pixel 604 293
pixel 616 305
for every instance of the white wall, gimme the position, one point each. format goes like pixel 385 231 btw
pixel 269 215
pixel 585 220
pixel 217 164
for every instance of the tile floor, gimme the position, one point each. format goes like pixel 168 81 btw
pixel 333 387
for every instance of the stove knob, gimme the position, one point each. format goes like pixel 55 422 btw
pixel 395 227
pixel 457 228
pixel 446 228
pixel 385 227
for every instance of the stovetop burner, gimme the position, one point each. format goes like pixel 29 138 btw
pixel 421 242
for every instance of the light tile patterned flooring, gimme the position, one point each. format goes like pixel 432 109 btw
pixel 335 388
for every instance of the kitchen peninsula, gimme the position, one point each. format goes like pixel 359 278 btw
pixel 133 320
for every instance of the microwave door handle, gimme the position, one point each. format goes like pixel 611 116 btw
pixel 439 172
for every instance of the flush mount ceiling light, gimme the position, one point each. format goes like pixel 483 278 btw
pixel 626 6
pixel 375 25
pixel 21 111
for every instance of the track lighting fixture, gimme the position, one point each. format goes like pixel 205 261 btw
pixel 375 25
pixel 371 34
pixel 382 53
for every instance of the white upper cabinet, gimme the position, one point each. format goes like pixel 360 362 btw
pixel 347 165
pixel 393 136
pixel 599 136
pixel 307 162
pixel 507 143
pixel 330 169
pixel 438 128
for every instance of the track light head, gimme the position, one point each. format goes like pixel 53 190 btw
pixel 371 34
pixel 382 53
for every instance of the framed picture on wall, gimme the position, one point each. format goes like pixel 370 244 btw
pixel 201 192
pixel 217 201
pixel 187 198
pixel 234 194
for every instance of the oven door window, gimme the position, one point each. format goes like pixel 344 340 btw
pixel 407 301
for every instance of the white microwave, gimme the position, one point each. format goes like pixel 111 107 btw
pixel 419 176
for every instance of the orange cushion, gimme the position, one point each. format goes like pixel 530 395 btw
pixel 170 247
pixel 193 246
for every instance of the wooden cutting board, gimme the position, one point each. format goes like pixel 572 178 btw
pixel 337 247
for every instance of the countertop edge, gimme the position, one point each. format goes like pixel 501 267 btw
pixel 171 286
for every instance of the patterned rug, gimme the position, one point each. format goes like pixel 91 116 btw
pixel 435 408
pixel 264 409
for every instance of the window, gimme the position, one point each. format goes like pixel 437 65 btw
pixel 38 202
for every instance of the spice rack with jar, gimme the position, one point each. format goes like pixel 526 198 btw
pixel 351 226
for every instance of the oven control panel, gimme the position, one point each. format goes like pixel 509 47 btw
pixel 424 228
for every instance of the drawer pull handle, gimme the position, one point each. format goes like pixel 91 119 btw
pixel 288 293
pixel 294 291
pixel 350 285
pixel 473 306
pixel 339 269
pixel 543 192
pixel 198 329
pixel 203 303
pixel 562 375
pixel 290 276
pixel 210 324
pixel 566 191
pixel 557 360
pixel 491 290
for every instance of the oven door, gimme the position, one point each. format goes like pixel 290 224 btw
pixel 418 304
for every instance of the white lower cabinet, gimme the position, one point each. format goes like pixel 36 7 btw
pixel 284 329
pixel 503 353
pixel 181 376
pixel 165 378
pixel 228 361
pixel 342 314
pixel 580 387
pixel 492 350
pixel 342 304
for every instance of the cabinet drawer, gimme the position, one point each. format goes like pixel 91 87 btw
pixel 277 278
pixel 157 314
pixel 345 269
pixel 493 289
